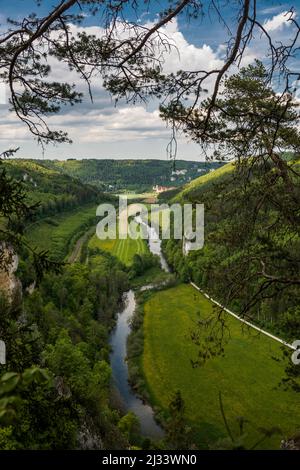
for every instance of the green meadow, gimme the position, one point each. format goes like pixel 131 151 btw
pixel 124 250
pixel 248 376
pixel 59 233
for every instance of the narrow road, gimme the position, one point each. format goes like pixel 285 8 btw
pixel 264 332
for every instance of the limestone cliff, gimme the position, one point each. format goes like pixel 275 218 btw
pixel 10 285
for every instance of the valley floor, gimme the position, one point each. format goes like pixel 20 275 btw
pixel 124 250
pixel 248 376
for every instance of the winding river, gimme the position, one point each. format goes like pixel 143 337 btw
pixel 118 341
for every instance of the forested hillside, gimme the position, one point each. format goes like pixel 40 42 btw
pixel 243 244
pixel 135 175
pixel 64 330
pixel 55 321
pixel 52 190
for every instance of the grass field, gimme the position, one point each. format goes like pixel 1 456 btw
pixel 124 250
pixel 57 234
pixel 135 196
pixel 248 375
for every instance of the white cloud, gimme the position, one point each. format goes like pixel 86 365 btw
pixel 278 22
pixel 126 124
pixel 188 56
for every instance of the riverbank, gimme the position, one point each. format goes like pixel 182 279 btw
pixel 128 399
pixel 135 349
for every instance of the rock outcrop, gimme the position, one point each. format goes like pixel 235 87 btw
pixel 293 443
pixel 10 285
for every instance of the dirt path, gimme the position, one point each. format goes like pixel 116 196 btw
pixel 75 255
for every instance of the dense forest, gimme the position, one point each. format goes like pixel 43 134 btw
pixel 228 265
pixel 64 331
pixel 56 327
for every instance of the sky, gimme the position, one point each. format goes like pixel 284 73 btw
pixel 103 130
